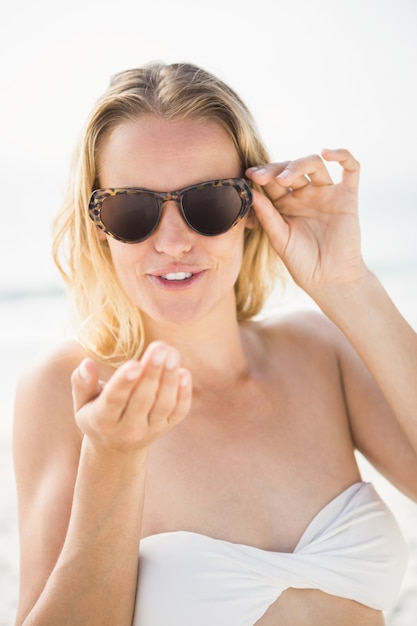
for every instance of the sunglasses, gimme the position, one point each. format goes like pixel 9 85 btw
pixel 131 214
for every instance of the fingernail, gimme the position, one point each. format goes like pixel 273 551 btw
pixel 83 371
pixel 133 370
pixel 284 174
pixel 259 170
pixel 159 356
pixel 185 378
pixel 171 361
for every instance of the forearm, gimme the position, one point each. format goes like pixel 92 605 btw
pixel 384 340
pixel 94 580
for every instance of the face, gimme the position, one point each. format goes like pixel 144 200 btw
pixel 176 275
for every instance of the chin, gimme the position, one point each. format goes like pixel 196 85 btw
pixel 175 315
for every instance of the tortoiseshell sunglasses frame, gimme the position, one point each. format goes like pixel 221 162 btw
pixel 99 195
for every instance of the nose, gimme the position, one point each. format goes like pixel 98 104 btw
pixel 173 236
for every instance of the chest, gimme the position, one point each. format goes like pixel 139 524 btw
pixel 243 460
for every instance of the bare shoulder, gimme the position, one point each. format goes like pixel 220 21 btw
pixel 55 361
pixel 45 430
pixel 304 328
pixel 43 403
pixel 46 378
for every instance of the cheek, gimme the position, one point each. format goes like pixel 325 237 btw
pixel 101 235
pixel 124 258
pixel 231 251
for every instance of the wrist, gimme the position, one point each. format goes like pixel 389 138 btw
pixel 113 459
pixel 340 301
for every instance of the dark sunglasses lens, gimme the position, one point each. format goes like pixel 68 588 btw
pixel 130 217
pixel 212 210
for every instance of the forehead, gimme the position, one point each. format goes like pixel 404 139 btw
pixel 166 154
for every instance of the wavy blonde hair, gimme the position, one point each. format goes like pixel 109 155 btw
pixel 107 323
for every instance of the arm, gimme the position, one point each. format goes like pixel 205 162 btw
pixel 313 225
pixel 81 484
pixel 385 342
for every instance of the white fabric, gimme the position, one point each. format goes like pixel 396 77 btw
pixel 353 548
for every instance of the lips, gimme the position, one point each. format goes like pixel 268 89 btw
pixel 175 271
pixel 175 277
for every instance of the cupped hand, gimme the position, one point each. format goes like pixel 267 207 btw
pixel 141 401
pixel 311 221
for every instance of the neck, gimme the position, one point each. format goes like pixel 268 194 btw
pixel 211 348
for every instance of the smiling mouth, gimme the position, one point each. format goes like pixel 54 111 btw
pixel 177 276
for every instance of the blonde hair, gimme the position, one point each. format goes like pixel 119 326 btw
pixel 107 323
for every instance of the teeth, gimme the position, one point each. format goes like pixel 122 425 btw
pixel 177 275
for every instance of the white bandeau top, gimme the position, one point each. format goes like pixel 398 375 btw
pixel 353 549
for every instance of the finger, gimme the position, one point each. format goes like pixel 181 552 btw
pixel 351 167
pixel 85 383
pixel 147 379
pixel 266 177
pixel 115 398
pixel 184 396
pixel 165 397
pixel 171 398
pixel 312 167
pixel 299 183
pixel 272 222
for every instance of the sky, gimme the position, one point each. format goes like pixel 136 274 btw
pixel 315 73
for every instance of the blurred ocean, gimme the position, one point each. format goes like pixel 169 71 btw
pixel 33 309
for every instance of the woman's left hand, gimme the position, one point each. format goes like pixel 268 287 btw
pixel 312 222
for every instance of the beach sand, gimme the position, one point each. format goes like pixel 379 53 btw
pixel 28 325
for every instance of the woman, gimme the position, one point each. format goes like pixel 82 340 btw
pixel 218 448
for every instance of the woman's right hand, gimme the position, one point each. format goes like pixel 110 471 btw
pixel 141 401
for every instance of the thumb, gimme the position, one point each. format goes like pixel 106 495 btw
pixel 85 383
pixel 272 222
